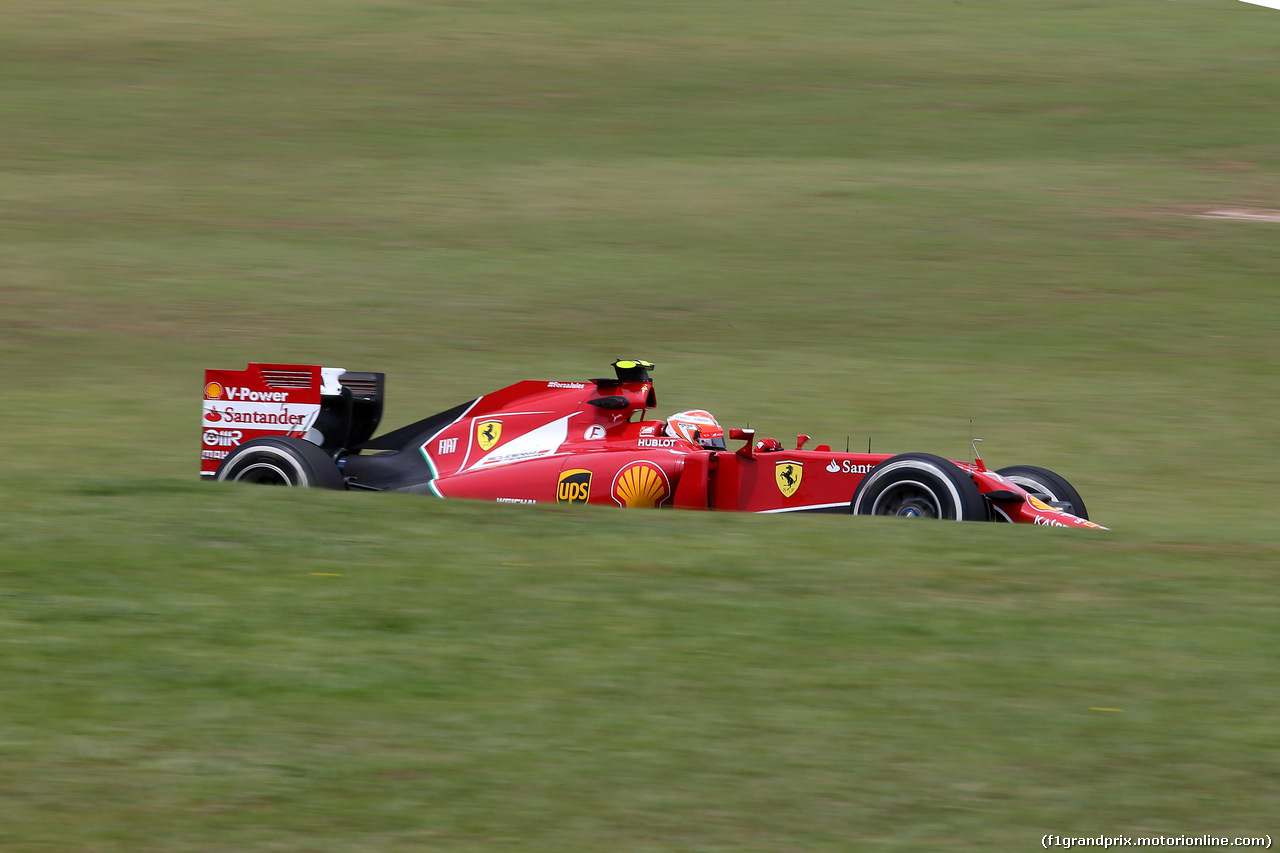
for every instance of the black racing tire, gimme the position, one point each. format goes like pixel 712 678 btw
pixel 919 485
pixel 281 460
pixel 1049 487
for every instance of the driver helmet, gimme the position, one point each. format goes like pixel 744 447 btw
pixel 697 427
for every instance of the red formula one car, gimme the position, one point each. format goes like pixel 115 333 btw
pixel 588 442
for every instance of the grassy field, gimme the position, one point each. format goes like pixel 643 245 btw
pixel 878 220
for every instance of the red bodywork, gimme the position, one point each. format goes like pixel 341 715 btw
pixel 547 442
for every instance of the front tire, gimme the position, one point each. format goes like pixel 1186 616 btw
pixel 281 461
pixel 919 485
pixel 1049 487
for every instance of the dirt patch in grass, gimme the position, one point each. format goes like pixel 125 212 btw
pixel 1243 214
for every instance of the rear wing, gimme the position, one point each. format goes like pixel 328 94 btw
pixel 331 407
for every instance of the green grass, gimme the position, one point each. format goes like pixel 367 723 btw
pixel 848 219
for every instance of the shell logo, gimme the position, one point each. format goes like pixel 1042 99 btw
pixel 641 485
pixel 213 390
pixel 1041 505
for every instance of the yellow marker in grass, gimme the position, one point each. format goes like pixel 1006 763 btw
pixel 1116 710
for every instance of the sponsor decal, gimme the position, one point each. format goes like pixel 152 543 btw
pixel 222 437
pixel 595 432
pixel 657 442
pixel 218 455
pixel 565 385
pixel 1041 505
pixel 1053 522
pixel 844 466
pixel 788 475
pixel 488 433
pixel 574 487
pixel 447 446
pixel 535 444
pixel 507 458
pixel 514 501
pixel 217 391
pixel 640 485
pixel 263 417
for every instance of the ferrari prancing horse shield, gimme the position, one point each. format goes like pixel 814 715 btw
pixel 488 433
pixel 788 475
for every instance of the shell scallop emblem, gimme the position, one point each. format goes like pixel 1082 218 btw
pixel 1041 505
pixel 641 485
pixel 213 390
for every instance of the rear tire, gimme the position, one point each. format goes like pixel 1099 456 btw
pixel 1049 487
pixel 281 461
pixel 919 485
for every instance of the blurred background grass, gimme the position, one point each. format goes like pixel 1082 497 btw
pixel 848 219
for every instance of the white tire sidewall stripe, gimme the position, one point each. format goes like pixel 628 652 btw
pixel 279 454
pixel 257 466
pixel 916 464
pixel 1035 487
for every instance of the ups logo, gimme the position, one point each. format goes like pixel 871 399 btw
pixel 574 487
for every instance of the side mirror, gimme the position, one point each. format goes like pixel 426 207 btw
pixel 749 436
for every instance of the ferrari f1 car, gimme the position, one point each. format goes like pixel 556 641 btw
pixel 584 442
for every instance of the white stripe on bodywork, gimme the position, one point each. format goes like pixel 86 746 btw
pixel 431 463
pixel 496 416
pixel 534 444
pixel 802 508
